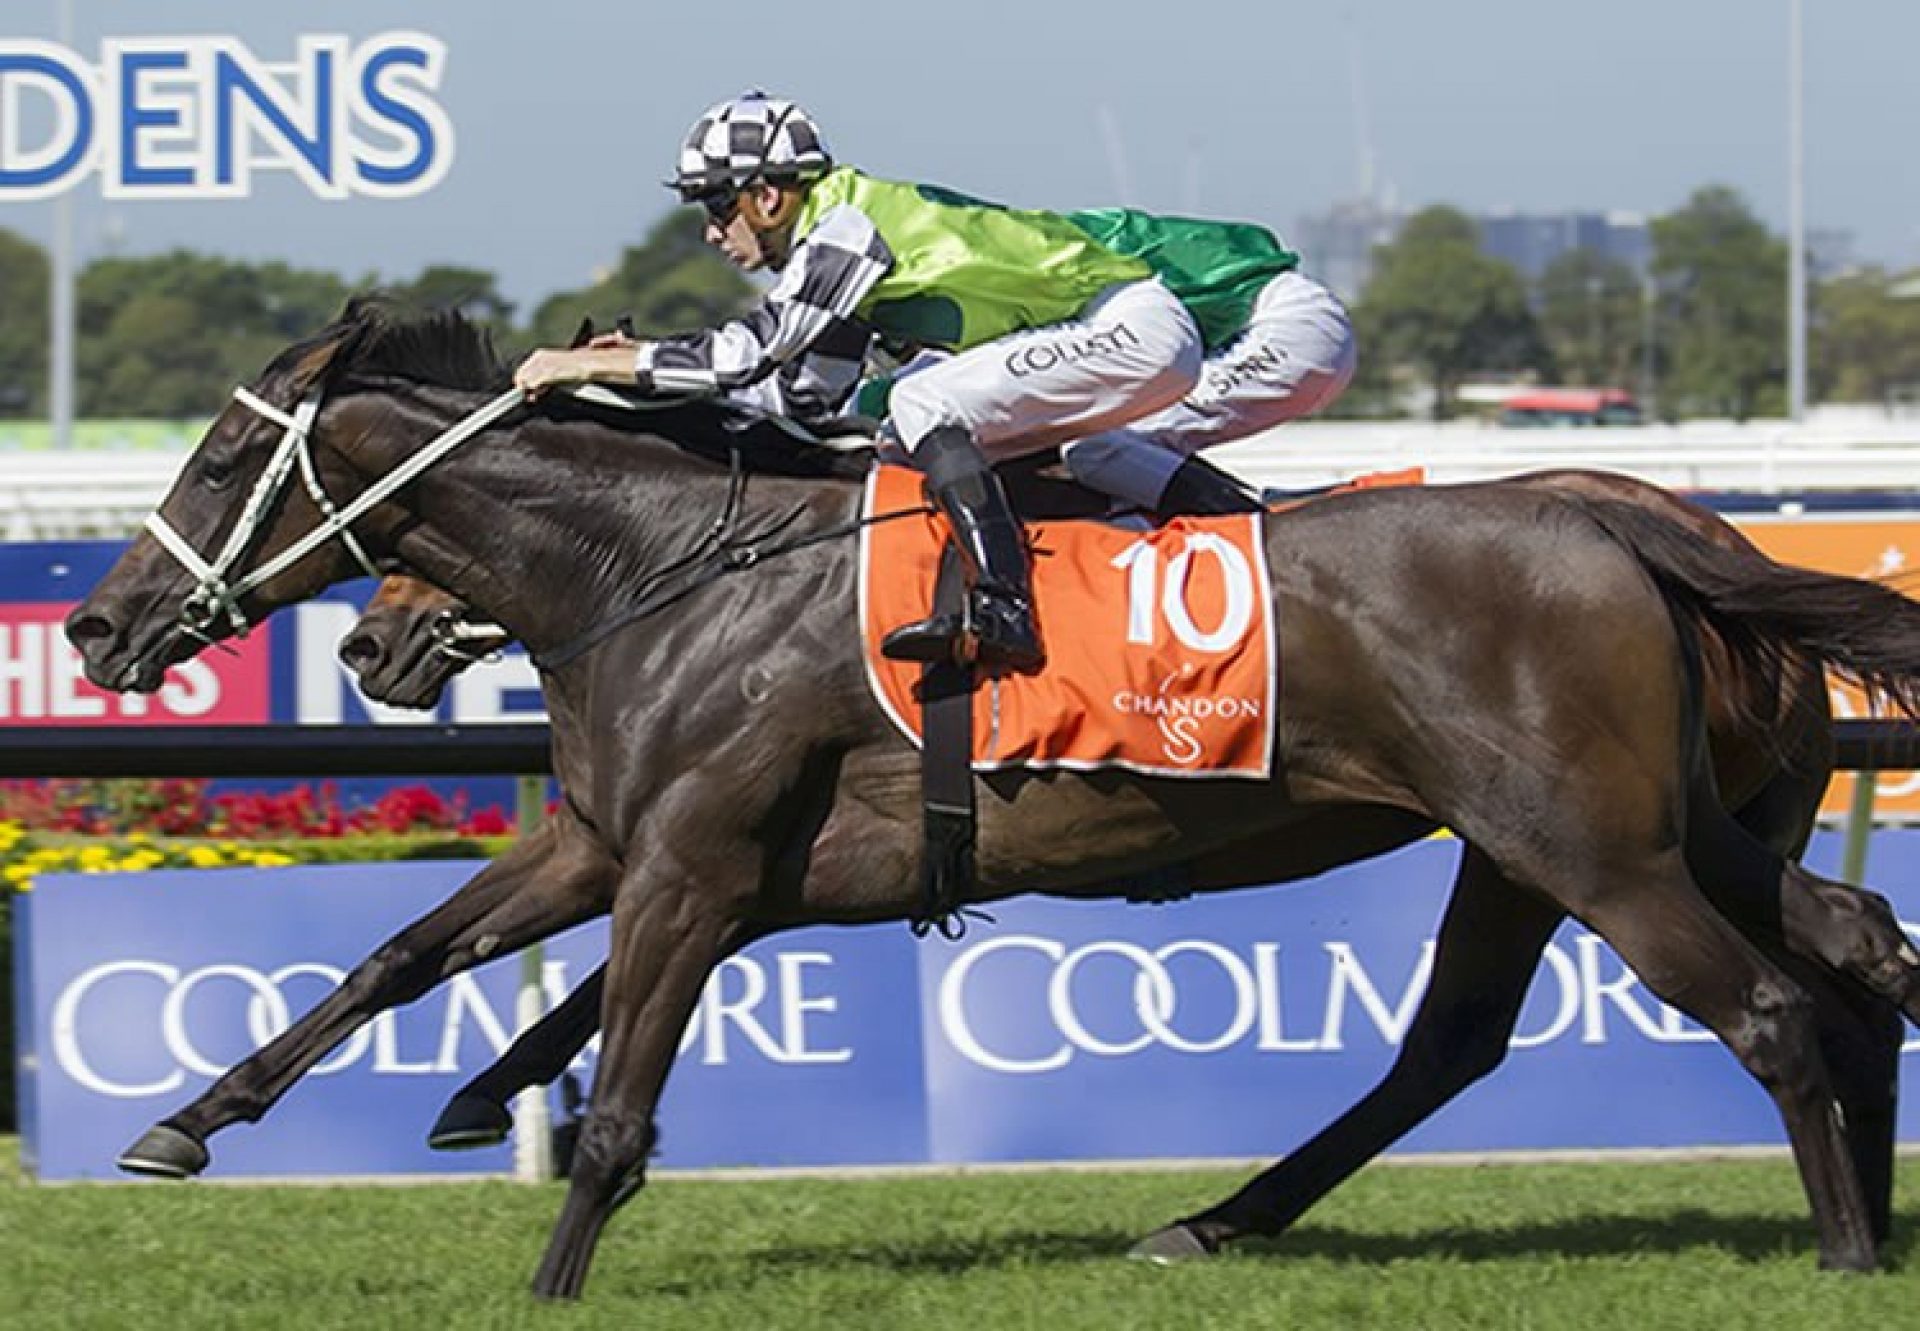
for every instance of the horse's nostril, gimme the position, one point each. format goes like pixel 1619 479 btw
pixel 88 627
pixel 360 651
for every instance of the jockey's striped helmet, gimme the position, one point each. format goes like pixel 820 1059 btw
pixel 751 137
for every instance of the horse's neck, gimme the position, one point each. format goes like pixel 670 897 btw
pixel 552 526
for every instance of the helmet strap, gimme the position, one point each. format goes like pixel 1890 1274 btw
pixel 763 219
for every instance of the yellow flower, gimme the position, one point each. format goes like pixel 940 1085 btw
pixel 205 857
pixel 271 859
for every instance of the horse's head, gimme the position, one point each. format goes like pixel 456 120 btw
pixel 412 640
pixel 244 529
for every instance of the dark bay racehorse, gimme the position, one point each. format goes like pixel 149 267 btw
pixel 1516 665
pixel 413 638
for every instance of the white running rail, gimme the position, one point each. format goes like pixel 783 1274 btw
pixel 78 495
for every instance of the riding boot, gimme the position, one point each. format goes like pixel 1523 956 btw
pixel 996 630
pixel 1197 488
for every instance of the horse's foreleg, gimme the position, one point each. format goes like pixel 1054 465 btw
pixel 1488 948
pixel 666 941
pixel 544 884
pixel 477 1113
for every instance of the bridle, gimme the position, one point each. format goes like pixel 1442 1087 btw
pixel 721 550
pixel 215 594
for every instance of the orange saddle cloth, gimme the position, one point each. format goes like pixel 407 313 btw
pixel 1160 644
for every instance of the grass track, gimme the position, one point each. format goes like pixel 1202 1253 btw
pixel 1723 1245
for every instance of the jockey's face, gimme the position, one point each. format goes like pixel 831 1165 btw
pixel 739 231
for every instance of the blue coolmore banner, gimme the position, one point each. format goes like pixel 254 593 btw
pixel 1226 1027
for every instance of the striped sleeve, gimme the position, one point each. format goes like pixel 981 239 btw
pixel 809 313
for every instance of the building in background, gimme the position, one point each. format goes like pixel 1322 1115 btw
pixel 1337 245
pixel 1532 241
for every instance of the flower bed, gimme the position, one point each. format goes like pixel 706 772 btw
pixel 188 808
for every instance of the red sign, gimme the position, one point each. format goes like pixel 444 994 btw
pixel 41 682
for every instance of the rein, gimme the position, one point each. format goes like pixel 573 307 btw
pixel 719 552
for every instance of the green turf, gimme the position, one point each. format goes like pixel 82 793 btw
pixel 1720 1245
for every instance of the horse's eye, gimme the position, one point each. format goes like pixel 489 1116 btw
pixel 216 473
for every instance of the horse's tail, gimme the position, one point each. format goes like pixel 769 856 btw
pixel 1770 613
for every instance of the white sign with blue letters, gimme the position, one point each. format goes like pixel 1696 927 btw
pixel 198 117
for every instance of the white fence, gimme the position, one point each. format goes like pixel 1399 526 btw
pixel 1767 457
pixel 71 495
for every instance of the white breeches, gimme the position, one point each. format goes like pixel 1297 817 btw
pixel 1295 357
pixel 1132 352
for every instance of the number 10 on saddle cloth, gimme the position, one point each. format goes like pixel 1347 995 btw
pixel 1160 644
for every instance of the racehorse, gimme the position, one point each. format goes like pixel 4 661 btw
pixel 413 638
pixel 1519 666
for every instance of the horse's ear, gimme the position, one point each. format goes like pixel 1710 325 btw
pixel 317 360
pixel 584 333
pixel 360 307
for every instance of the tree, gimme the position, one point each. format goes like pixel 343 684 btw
pixel 1865 339
pixel 672 282
pixel 1438 307
pixel 474 292
pixel 170 335
pixel 1592 317
pixel 1722 283
pixel 23 326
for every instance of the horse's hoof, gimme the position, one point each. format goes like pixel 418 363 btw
pixel 468 1123
pixel 1164 1247
pixel 165 1152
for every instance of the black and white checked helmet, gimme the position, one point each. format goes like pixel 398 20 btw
pixel 752 137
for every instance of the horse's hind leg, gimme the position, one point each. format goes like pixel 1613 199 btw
pixel 1488 948
pixel 1809 925
pixel 1860 1038
pixel 542 885
pixel 1696 960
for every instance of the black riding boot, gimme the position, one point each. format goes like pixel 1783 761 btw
pixel 996 630
pixel 1200 489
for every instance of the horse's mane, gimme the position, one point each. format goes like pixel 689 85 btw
pixel 378 338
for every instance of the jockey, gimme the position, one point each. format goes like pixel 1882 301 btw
pixel 1049 336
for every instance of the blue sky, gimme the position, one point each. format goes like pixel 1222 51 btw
pixel 567 113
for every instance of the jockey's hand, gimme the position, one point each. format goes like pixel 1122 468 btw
pixel 605 340
pixel 551 367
